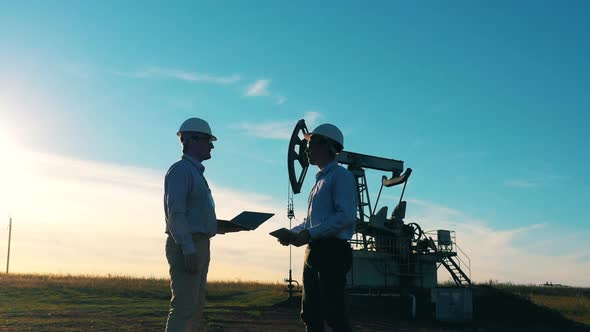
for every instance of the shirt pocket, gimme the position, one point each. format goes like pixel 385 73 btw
pixel 199 193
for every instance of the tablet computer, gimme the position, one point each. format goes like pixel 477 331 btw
pixel 248 220
pixel 283 234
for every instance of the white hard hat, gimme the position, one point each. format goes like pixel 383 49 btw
pixel 196 125
pixel 328 130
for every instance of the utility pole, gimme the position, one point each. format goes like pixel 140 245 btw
pixel 9 236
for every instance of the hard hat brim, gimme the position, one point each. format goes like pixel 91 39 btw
pixel 213 138
pixel 307 137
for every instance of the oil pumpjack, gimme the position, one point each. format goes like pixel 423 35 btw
pixel 389 255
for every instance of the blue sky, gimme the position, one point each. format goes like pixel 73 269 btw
pixel 487 102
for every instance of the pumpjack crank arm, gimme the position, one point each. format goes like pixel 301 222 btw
pixel 296 152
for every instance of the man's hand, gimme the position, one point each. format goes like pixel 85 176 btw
pixel 284 242
pixel 302 238
pixel 190 263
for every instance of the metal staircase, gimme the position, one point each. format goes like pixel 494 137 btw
pixel 460 278
pixel 451 257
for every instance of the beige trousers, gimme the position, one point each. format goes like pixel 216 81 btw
pixel 188 290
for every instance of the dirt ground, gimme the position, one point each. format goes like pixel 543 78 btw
pixel 286 318
pixel 495 311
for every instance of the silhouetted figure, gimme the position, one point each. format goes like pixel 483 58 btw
pixel 330 223
pixel 190 223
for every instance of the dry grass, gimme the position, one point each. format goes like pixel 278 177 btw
pixel 571 302
pixel 41 302
pixel 84 281
pixel 115 281
pixel 575 308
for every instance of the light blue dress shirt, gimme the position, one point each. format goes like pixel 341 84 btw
pixel 332 204
pixel 188 204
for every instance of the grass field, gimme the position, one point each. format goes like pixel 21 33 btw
pixel 74 303
pixel 86 303
pixel 571 302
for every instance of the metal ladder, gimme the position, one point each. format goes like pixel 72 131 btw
pixel 461 279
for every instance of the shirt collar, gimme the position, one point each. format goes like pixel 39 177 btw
pixel 195 162
pixel 326 169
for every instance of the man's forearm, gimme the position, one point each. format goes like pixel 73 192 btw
pixel 178 226
pixel 300 227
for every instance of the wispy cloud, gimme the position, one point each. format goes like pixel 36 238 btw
pixel 504 254
pixel 535 179
pixel 271 129
pixel 311 119
pixel 258 88
pixel 276 129
pixel 281 99
pixel 80 208
pixel 261 88
pixel 521 183
pixel 158 72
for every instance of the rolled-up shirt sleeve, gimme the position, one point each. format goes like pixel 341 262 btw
pixel 344 197
pixel 176 189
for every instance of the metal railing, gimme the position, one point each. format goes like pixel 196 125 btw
pixel 463 261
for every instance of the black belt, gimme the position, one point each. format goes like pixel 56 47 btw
pixel 327 242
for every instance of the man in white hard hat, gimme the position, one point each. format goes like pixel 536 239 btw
pixel 330 223
pixel 190 223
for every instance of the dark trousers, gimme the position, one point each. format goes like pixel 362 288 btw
pixel 324 276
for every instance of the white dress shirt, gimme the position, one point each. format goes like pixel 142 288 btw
pixel 332 205
pixel 188 204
